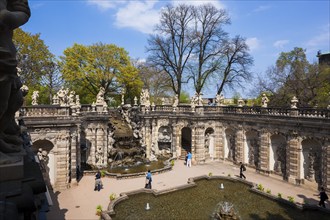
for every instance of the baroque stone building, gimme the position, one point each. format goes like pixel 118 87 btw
pixel 291 143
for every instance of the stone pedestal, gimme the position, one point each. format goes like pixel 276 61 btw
pixel 13 171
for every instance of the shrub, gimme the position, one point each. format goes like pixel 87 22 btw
pixel 268 191
pixel 291 199
pixel 112 196
pixel 279 195
pixel 260 187
pixel 102 173
pixel 210 174
pixel 172 163
pixel 98 210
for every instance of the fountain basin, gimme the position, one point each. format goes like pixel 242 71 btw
pixel 199 198
pixel 123 172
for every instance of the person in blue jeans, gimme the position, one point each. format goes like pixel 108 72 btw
pixel 189 157
pixel 98 181
pixel 148 180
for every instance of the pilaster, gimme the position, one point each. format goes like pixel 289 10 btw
pixel 239 145
pixel 198 146
pixel 264 151
pixel 218 142
pixel 293 162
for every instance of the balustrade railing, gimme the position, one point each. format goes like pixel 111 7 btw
pixel 55 110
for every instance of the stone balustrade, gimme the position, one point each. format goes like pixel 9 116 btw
pixel 53 111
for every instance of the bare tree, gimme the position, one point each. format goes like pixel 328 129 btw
pixel 156 81
pixel 236 61
pixel 210 38
pixel 171 48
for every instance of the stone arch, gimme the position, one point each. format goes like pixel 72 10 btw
pixel 229 144
pixel 277 154
pixel 45 150
pixel 164 138
pixel 311 160
pixel 186 140
pixel 251 148
pixel 209 144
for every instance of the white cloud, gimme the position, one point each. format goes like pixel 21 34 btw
pixel 262 8
pixel 320 40
pixel 280 43
pixel 216 3
pixel 139 15
pixel 253 43
pixel 104 5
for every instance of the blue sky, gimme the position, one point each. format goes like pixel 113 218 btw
pixel 270 27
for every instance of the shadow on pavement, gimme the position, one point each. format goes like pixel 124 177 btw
pixel 55 212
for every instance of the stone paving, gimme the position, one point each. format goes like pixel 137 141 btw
pixel 79 202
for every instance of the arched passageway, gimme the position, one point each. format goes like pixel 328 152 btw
pixel 311 161
pixel 277 154
pixel 185 140
pixel 209 143
pixel 251 148
pixel 44 149
pixel 229 144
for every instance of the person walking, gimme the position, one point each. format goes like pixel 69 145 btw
pixel 189 157
pixel 323 196
pixel 241 170
pixel 148 180
pixel 98 181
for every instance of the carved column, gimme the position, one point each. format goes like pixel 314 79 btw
pixel 176 140
pixel 147 137
pixel 198 145
pixel 90 136
pixel 62 157
pixel 154 136
pixel 73 157
pixel 293 161
pixel 239 145
pixel 100 147
pixel 264 151
pixel 326 164
pixel 218 141
pixel 78 149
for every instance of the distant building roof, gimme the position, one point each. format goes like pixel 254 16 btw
pixel 324 58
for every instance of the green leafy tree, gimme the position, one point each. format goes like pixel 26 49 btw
pixel 87 68
pixel 292 76
pixel 38 66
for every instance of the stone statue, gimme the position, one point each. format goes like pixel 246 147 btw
pixel 145 98
pixel 100 97
pixel 35 97
pixel 176 101
pixel 13 14
pixel 294 102
pixel 62 95
pixel 71 98
pixel 219 100
pixel 264 101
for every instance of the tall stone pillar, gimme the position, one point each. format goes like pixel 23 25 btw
pixel 63 157
pixel 101 154
pixel 148 137
pixel 90 137
pixel 78 149
pixel 326 170
pixel 198 145
pixel 264 151
pixel 218 142
pixel 293 162
pixel 73 158
pixel 176 134
pixel 239 145
pixel 154 136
